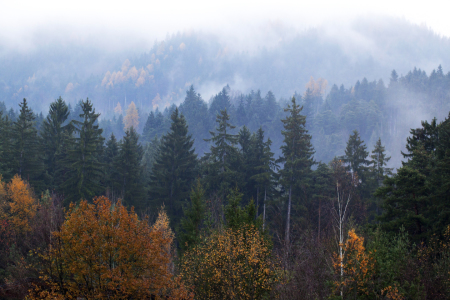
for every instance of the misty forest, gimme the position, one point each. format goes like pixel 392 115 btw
pixel 302 170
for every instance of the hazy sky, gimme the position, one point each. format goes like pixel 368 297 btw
pixel 148 20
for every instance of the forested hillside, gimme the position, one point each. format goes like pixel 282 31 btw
pixel 275 59
pixel 244 196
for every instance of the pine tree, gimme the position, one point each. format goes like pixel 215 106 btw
pixel 378 162
pixel 111 175
pixel 149 157
pixel 246 161
pixel 356 156
pixel 220 162
pixel 297 157
pixel 220 102
pixel 26 148
pixel 195 110
pixel 129 169
pixel 174 169
pixel 84 169
pixel 55 133
pixel 263 169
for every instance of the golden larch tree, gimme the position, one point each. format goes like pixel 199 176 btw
pixel 20 206
pixel 118 109
pixel 132 117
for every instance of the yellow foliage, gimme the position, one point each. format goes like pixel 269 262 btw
pixel 22 205
pixel 132 117
pixel 357 266
pixel 118 108
pixel 156 101
pixel 318 87
pixel 231 264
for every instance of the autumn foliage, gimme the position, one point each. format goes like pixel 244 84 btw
pixel 355 270
pixel 105 251
pixel 132 117
pixel 231 264
pixel 17 204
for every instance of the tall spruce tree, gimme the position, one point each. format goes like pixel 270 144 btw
pixel 221 162
pixel 247 160
pixel 263 169
pixel 26 147
pixel 174 169
pixel 55 133
pixel 111 175
pixel 356 157
pixel 195 110
pixel 83 160
pixel 129 169
pixel 297 157
pixel 379 161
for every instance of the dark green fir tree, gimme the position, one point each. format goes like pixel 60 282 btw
pixel 130 171
pixel 26 148
pixel 221 163
pixel 297 157
pixel 83 160
pixel 111 175
pixel 55 133
pixel 174 169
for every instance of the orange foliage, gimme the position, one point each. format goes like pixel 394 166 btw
pixel 357 266
pixel 318 87
pixel 118 109
pixel 132 117
pixel 105 251
pixel 231 264
pixel 19 206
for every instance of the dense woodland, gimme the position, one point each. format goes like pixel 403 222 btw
pixel 244 197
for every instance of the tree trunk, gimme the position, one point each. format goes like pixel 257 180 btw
pixel 264 208
pixel 288 219
pixel 318 236
pixel 257 201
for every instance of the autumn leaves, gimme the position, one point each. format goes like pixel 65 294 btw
pixel 104 251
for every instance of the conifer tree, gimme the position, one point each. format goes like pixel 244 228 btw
pixel 221 170
pixel 323 191
pixel 378 162
pixel 5 146
pixel 174 169
pixel 55 133
pixel 356 156
pixel 263 168
pixel 195 110
pixel 194 216
pixel 111 180
pixel 129 169
pixel 26 148
pixel 297 157
pixel 246 160
pixel 220 102
pixel 84 168
pixel 236 216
